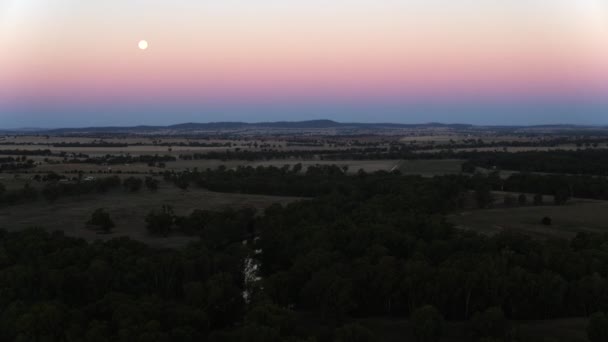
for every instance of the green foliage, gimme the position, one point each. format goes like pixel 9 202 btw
pixel 102 220
pixel 160 222
pixel 509 200
pixel 132 184
pixel 151 184
pixel 353 333
pixel 57 288
pixel 522 199
pixel 490 323
pixel 483 196
pixel 597 330
pixel 427 324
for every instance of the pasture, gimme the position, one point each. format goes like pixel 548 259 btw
pixel 127 210
pixel 578 215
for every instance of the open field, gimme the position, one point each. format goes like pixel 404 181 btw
pixel 431 167
pixel 353 165
pixel 203 164
pixel 513 149
pixel 127 211
pixel 577 216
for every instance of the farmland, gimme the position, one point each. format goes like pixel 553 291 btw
pixel 348 231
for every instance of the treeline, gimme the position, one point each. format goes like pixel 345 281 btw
pixel 12 164
pixel 62 289
pixel 216 228
pixel 56 189
pixel 587 161
pixel 276 154
pixel 124 159
pixel 379 254
pixel 537 142
pixel 366 245
pixel 91 144
pixel 45 152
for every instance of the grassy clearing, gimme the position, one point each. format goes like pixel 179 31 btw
pixel 126 210
pixel 353 165
pixel 431 167
pixel 577 216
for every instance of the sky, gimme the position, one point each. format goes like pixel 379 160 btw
pixel 77 63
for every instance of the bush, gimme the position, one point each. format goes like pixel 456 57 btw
pixel 132 184
pixel 490 323
pixel 597 329
pixel 101 219
pixel 353 333
pixel 428 324
pixel 522 199
pixel 151 183
pixel 160 222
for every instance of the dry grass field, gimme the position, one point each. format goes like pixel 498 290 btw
pixel 565 147
pixel 577 216
pixel 431 167
pixel 126 210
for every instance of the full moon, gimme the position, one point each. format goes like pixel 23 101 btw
pixel 143 44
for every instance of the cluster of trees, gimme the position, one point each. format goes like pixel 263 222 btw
pixel 124 159
pixel 583 162
pixel 216 228
pixel 15 163
pixel 62 289
pixel 388 253
pixel 18 152
pixel 91 144
pixel 365 245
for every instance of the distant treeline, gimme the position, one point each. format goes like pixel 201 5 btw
pixel 92 144
pixel 124 159
pixel 45 152
pixel 586 161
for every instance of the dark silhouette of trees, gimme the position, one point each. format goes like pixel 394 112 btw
pixel 132 184
pixel 160 222
pixel 490 323
pixel 522 199
pixel 151 184
pixel 101 219
pixel 597 330
pixel 427 324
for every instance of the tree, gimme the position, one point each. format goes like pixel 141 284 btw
pixel 151 183
pixel 522 199
pixel 181 182
pixel 101 219
pixel 51 192
pixel 427 324
pixel 132 184
pixel 597 329
pixel 509 200
pixel 353 333
pixel 561 197
pixel 160 222
pixel 483 196
pixel 490 323
pixel 538 199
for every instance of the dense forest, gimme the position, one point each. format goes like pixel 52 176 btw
pixel 362 246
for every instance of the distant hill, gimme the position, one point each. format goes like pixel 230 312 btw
pixel 285 127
